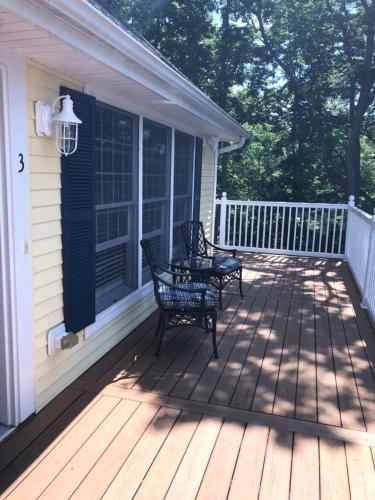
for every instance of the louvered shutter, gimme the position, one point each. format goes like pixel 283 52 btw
pixel 78 219
pixel 197 178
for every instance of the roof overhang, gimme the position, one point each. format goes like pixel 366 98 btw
pixel 77 40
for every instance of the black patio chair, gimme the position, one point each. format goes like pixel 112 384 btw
pixel 184 303
pixel 225 269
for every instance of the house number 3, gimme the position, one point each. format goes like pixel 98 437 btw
pixel 20 156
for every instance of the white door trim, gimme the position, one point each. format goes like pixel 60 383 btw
pixel 15 256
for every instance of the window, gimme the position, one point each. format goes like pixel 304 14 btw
pixel 183 187
pixel 156 191
pixel 116 147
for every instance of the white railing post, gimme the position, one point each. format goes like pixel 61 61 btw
pixel 369 264
pixel 347 235
pixel 223 219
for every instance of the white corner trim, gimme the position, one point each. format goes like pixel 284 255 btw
pixel 18 270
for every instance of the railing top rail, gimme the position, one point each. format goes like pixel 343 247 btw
pixel 361 213
pixel 284 204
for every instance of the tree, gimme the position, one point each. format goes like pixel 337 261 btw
pixel 299 74
pixel 356 24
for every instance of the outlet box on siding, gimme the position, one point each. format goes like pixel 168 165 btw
pixel 54 338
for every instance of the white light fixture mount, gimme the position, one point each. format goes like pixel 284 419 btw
pixel 64 124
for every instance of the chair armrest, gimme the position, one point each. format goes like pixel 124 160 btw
pixel 234 251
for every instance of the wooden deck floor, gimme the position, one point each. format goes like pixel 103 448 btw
pixel 287 411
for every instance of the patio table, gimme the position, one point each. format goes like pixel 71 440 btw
pixel 201 268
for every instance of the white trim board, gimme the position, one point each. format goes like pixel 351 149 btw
pixel 15 256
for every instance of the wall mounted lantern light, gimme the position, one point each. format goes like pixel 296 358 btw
pixel 64 124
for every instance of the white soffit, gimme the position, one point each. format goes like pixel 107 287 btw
pixel 120 82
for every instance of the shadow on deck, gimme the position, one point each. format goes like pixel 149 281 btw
pixel 292 391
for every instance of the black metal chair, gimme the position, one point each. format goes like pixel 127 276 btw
pixel 184 303
pixel 226 269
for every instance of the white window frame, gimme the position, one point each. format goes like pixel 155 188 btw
pixel 171 190
pixel 145 290
pixel 15 258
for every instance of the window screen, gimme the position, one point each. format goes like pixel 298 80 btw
pixel 156 192
pixel 116 205
pixel 183 186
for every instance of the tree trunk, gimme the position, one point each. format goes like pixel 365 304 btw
pixel 353 165
pixel 222 81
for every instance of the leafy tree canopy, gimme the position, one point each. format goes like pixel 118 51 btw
pixel 299 74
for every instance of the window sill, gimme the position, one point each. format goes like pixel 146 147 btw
pixel 110 314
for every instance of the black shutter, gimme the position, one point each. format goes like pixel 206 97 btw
pixel 197 178
pixel 78 219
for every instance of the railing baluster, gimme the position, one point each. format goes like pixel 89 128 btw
pixel 277 227
pixel 327 232
pixel 235 225
pixel 308 230
pixel 341 228
pixel 288 241
pixel 301 231
pixel 229 220
pixel 264 224
pixel 321 230
pixel 258 226
pixel 270 229
pixel 246 223
pixel 240 229
pixel 282 230
pixel 295 228
pixel 252 224
pixel 314 230
pixel 334 232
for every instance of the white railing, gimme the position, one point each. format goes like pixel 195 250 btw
pixel 360 253
pixel 306 229
pixel 316 229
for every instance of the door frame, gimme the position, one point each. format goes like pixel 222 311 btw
pixel 15 227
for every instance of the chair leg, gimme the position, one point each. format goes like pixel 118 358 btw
pixel 241 291
pixel 158 327
pixel 206 324
pixel 214 336
pixel 221 293
pixel 161 333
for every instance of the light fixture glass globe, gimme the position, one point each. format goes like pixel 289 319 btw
pixel 66 137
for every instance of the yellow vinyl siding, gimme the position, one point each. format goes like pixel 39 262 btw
pixel 54 373
pixel 207 189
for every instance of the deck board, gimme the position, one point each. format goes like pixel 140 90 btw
pixel 305 464
pixel 292 391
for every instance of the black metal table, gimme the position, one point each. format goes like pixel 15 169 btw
pixel 201 268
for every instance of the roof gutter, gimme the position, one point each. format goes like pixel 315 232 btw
pixel 219 151
pixel 232 147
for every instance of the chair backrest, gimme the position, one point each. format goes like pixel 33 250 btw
pixel 152 265
pixel 194 238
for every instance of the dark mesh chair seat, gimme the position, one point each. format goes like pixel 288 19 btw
pixel 182 298
pixel 227 264
pixel 225 269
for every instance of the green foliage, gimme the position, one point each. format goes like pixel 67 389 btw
pixel 292 71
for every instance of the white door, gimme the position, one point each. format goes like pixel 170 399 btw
pixel 17 400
